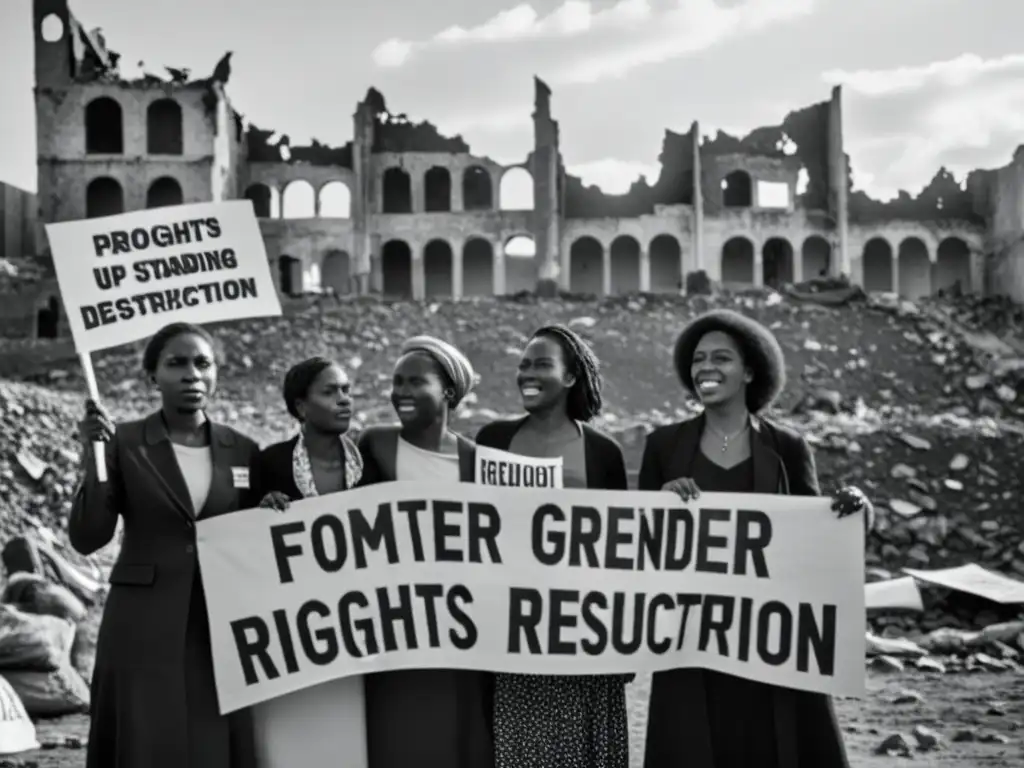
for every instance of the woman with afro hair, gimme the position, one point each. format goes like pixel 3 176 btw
pixel 541 721
pixel 701 718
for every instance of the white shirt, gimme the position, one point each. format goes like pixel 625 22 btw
pixel 196 466
pixel 414 463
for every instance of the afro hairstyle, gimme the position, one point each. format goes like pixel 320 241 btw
pixel 758 346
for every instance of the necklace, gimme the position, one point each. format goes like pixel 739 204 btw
pixel 726 438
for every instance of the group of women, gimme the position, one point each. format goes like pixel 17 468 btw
pixel 153 696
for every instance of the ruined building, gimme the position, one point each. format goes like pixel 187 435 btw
pixel 406 212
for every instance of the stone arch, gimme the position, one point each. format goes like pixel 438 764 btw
pixel 48 319
pixel 952 272
pixel 737 190
pixel 516 190
pixel 625 264
pixel 477 189
pixel 438 269
pixel 396 270
pixel 335 200
pixel 396 189
pixel 437 190
pixel 586 265
pixel 738 261
pixel 915 269
pixel 163 192
pixel 336 272
pixel 666 256
pixel 776 262
pixel 104 127
pixel 262 198
pixel 103 197
pixel 289 275
pixel 815 257
pixel 165 134
pixel 298 201
pixel 878 266
pixel 520 264
pixel 477 267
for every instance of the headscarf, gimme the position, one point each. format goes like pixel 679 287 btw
pixel 455 364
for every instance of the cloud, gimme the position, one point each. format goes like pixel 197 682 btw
pixel 598 43
pixel 907 122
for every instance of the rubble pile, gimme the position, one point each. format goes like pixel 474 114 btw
pixel 899 399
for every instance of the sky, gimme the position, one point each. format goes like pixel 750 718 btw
pixel 926 83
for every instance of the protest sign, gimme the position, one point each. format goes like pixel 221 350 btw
pixel 497 467
pixel 543 581
pixel 124 277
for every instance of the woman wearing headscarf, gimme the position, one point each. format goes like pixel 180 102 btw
pixel 701 718
pixel 568 721
pixel 328 720
pixel 428 717
pixel 154 701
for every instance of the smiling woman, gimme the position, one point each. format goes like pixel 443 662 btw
pixel 542 720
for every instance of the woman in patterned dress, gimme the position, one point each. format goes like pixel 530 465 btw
pixel 700 718
pixel 327 720
pixel 561 721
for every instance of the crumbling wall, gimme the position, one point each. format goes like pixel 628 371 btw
pixel 802 135
pixel 942 198
pixel 396 133
pixel 261 149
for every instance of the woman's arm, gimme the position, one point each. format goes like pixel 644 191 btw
pixel 96 505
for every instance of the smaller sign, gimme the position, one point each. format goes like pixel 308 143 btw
pixel 497 467
pixel 124 277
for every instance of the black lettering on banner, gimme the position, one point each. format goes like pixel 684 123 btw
pixel 443 530
pixel 412 510
pixel 109 277
pixel 284 635
pixel 484 527
pixel 664 602
pixel 177 265
pixel 334 560
pixel 680 521
pixel 526 609
pixel 545 556
pixel 719 625
pixel 823 639
pixel 617 537
pixel 686 601
pixel 780 655
pixel 585 533
pixel 592 603
pixel 284 553
pixel 749 544
pixel 458 598
pixel 429 594
pixel 364 535
pixel 349 625
pixel 400 612
pixel 559 620
pixel 327 650
pixel 128 308
pixel 252 649
pixel 705 541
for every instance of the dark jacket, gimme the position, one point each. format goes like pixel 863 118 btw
pixel 605 465
pixel 424 716
pixel 274 471
pixel 806 730
pixel 154 701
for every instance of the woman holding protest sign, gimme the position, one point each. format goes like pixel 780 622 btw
pixel 316 725
pixel 154 702
pixel 426 716
pixel 561 720
pixel 702 718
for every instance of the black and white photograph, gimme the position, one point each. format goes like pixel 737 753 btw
pixel 497 384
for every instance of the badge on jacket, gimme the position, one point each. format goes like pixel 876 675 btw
pixel 240 475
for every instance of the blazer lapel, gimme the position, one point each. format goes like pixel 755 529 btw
pixel 767 471
pixel 158 455
pixel 222 486
pixel 687 444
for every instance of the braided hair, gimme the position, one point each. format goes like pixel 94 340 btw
pixel 584 401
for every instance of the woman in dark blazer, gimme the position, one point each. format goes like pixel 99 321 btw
pixel 564 720
pixel 154 702
pixel 329 719
pixel 701 718
pixel 425 717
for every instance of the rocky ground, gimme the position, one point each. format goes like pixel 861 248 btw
pixel 919 405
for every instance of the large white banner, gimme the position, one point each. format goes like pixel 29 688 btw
pixel 547 581
pixel 124 277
